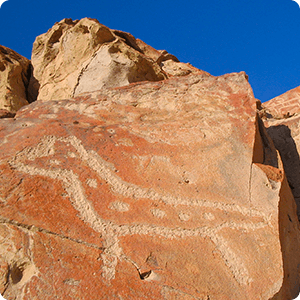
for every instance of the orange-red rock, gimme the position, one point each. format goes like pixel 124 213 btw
pixel 155 190
pixel 282 121
pixel 285 105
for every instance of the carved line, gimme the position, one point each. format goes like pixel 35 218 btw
pixel 111 231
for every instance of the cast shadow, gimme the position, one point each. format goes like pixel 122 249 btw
pixel 289 203
pixel 285 144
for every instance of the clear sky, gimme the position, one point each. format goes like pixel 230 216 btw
pixel 260 37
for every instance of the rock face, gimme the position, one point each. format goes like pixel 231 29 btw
pixel 284 105
pixel 139 177
pixel 156 190
pixel 283 122
pixel 281 117
pixel 83 56
pixel 15 74
pixel 4 113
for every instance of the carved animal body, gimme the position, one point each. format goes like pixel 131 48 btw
pixel 127 174
pixel 110 231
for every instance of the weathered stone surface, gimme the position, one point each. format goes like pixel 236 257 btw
pixel 15 71
pixel 281 117
pixel 174 68
pixel 285 105
pixel 74 57
pixel 285 134
pixel 4 113
pixel 156 190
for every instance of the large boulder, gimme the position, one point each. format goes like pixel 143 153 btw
pixel 15 72
pixel 74 57
pixel 157 190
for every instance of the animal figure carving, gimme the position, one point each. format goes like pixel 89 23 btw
pixel 26 162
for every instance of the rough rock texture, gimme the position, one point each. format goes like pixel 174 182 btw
pixel 15 71
pixel 4 113
pixel 156 190
pixel 143 177
pixel 285 105
pixel 83 56
pixel 283 122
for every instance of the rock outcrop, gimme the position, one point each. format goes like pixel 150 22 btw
pixel 158 190
pixel 138 177
pixel 282 120
pixel 83 56
pixel 285 105
pixel 15 74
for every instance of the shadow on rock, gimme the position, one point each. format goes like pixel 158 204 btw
pixel 290 244
pixel 285 144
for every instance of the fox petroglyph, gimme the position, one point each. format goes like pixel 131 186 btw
pixel 111 232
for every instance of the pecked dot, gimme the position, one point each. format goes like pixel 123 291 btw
pixel 54 162
pixel 111 131
pixel 71 154
pixel 92 182
pixel 119 206
pixel 208 216
pixel 183 216
pixel 158 213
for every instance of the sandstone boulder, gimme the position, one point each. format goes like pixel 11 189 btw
pixel 156 190
pixel 285 105
pixel 283 125
pixel 74 57
pixel 15 72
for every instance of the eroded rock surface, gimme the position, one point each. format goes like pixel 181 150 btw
pixel 156 190
pixel 281 117
pixel 283 125
pixel 15 72
pixel 285 105
pixel 74 57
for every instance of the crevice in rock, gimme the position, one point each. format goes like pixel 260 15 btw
pixel 165 55
pixel 134 264
pixel 264 151
pixel 290 244
pixel 32 87
pixel 286 146
pixel 129 39
pixel 35 229
pixel 265 156
pixel 26 79
pixel 4 114
pixel 82 71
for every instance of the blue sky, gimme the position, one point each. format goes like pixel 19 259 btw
pixel 260 37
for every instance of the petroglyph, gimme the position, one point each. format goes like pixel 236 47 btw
pixel 71 154
pixel 54 162
pixel 112 232
pixel 119 206
pixel 158 213
pixel 48 116
pixel 208 216
pixel 92 182
pixel 183 216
